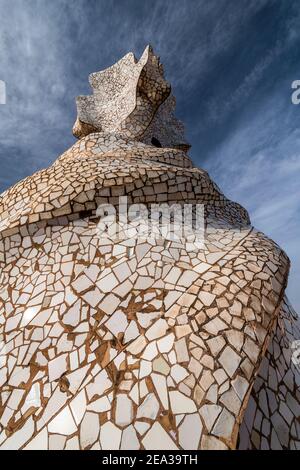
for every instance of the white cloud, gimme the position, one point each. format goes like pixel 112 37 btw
pixel 258 165
pixel 49 48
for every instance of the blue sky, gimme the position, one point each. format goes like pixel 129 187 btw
pixel 231 64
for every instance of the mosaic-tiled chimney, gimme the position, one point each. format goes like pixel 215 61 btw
pixel 131 342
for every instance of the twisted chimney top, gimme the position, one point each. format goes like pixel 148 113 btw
pixel 132 99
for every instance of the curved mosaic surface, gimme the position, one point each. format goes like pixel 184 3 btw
pixel 134 344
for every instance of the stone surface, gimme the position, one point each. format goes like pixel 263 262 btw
pixel 134 342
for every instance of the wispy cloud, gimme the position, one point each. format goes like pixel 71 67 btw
pixel 259 166
pixel 230 63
